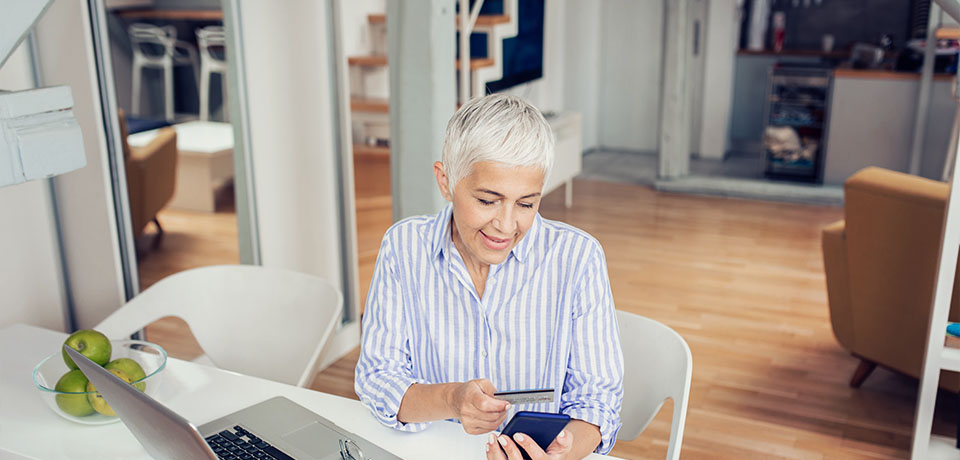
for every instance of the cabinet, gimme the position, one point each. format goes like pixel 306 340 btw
pixel 568 156
pixel 796 113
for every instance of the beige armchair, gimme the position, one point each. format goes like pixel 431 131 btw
pixel 151 177
pixel 880 265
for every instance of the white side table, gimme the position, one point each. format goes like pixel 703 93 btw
pixel 204 162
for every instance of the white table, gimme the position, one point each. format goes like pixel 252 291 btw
pixel 30 429
pixel 204 161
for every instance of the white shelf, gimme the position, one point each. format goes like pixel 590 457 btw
pixel 942 448
pixel 950 360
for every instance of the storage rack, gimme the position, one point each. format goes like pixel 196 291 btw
pixel 798 97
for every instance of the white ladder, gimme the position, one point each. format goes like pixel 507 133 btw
pixel 937 357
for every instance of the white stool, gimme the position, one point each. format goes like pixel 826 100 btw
pixel 158 48
pixel 210 39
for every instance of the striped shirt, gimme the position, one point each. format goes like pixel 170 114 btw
pixel 546 320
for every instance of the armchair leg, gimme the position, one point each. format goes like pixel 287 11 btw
pixel 159 238
pixel 863 371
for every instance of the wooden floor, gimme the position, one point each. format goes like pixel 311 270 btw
pixel 742 282
pixel 374 213
pixel 191 239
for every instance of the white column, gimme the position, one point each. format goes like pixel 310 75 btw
pixel 420 48
pixel 675 110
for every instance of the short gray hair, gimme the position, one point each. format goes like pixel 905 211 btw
pixel 500 128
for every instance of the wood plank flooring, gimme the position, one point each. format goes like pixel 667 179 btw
pixel 742 281
pixel 191 239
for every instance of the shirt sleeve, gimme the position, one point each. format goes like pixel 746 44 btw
pixel 593 388
pixel 384 371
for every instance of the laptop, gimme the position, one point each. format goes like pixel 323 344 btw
pixel 277 428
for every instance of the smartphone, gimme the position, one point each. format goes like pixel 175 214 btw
pixel 542 427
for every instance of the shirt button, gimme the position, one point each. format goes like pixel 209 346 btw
pixel 483 353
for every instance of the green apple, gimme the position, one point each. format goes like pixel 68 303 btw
pixel 96 399
pixel 89 343
pixel 131 368
pixel 77 405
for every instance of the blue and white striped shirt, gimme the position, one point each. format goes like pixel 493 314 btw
pixel 546 320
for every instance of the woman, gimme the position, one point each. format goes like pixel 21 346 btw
pixel 488 296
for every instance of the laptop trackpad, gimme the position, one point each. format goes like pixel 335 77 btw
pixel 316 440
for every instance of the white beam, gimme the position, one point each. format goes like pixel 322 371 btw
pixel 923 100
pixel 420 37
pixel 674 109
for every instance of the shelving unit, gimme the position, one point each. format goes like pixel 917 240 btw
pixel 797 98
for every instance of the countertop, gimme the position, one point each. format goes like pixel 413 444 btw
pixel 884 74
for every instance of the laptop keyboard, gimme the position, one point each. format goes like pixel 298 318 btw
pixel 239 444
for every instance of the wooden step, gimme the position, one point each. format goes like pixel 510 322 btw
pixel 488 20
pixel 371 151
pixel 360 104
pixel 478 63
pixel 368 61
pixel 484 20
pixel 948 33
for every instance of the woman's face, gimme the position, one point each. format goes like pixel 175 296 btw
pixel 493 207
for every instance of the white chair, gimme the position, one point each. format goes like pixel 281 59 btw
pixel 158 48
pixel 212 42
pixel 657 366
pixel 258 321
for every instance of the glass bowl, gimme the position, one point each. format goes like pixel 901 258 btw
pixel 151 357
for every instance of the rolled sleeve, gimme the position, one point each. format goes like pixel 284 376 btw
pixel 593 388
pixel 385 371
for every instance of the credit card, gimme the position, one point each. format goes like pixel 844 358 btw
pixel 543 395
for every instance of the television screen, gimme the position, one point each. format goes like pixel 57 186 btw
pixel 523 54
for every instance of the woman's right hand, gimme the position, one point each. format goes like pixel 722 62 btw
pixel 476 408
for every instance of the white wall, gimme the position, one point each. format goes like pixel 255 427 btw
pixel 581 66
pixel 354 26
pixel 294 161
pixel 631 45
pixel 84 197
pixel 612 66
pixel 720 46
pixel 294 164
pixel 30 271
pixel 357 36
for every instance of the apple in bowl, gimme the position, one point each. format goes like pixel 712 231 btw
pixel 67 394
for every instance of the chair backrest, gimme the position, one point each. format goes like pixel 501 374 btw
pixel 265 322
pixel 657 366
pixel 212 42
pixel 150 41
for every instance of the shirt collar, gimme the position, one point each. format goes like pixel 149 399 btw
pixel 522 249
pixel 442 236
pixel 441 231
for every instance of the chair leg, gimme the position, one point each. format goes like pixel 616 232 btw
pixel 135 103
pixel 159 238
pixel 168 90
pixel 223 97
pixel 204 94
pixel 864 369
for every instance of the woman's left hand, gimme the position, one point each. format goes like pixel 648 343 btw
pixel 503 448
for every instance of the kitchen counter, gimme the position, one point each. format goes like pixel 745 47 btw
pixel 872 114
pixel 796 53
pixel 885 74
